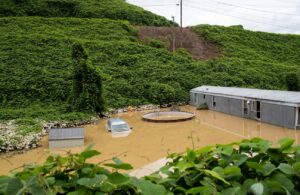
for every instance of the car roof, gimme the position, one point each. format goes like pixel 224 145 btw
pixel 115 121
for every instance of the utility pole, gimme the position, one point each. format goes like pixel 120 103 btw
pixel 173 19
pixel 181 14
pixel 174 41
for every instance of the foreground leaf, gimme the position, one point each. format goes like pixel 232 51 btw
pixel 216 176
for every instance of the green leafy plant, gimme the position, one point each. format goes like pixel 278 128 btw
pixel 71 174
pixel 87 83
pixel 161 93
pixel 292 82
pixel 249 167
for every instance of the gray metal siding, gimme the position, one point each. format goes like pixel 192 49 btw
pixel 298 119
pixel 201 99
pixel 229 106
pixel 236 107
pixel 208 101
pixel 278 115
pixel 194 97
pixel 66 133
pixel 222 104
pixel 281 115
pixel 65 143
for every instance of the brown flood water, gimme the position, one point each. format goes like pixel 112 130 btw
pixel 149 142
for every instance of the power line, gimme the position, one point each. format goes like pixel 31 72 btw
pixel 254 9
pixel 246 19
pixel 252 16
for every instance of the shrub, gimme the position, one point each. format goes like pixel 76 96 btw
pixel 158 44
pixel 202 107
pixel 292 82
pixel 161 93
pixel 87 83
pixel 249 167
pixel 73 175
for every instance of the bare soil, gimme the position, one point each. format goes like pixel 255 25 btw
pixel 185 38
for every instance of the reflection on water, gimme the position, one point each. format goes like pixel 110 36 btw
pixel 149 142
pixel 120 134
pixel 245 128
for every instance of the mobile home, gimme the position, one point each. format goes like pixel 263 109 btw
pixel 270 106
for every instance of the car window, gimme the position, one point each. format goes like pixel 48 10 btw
pixel 120 127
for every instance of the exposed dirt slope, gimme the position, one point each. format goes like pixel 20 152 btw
pixel 185 38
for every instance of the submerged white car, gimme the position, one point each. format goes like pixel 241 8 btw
pixel 117 125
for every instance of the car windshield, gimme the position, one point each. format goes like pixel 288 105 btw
pixel 120 127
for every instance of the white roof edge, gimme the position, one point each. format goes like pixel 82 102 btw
pixel 291 98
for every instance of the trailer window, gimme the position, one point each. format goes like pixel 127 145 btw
pixel 214 101
pixel 246 107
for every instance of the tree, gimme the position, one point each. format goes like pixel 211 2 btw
pixel 87 83
pixel 292 82
pixel 161 93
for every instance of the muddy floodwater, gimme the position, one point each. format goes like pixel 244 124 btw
pixel 149 142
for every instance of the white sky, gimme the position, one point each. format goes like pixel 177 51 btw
pixel 279 16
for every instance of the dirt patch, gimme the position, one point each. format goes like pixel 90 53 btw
pixel 199 48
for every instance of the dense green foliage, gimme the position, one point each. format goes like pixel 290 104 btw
pixel 87 83
pixel 36 64
pixel 73 175
pixel 292 82
pixel 250 167
pixel 114 9
pixel 253 59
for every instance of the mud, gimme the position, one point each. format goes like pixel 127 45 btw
pixel 185 38
pixel 149 142
pixel 168 116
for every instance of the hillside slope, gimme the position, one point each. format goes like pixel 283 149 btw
pixel 37 69
pixel 256 59
pixel 36 65
pixel 113 9
pixel 180 38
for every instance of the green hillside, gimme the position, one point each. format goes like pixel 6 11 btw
pixel 38 74
pixel 113 9
pixel 36 65
pixel 254 59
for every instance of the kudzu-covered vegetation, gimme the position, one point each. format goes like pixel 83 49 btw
pixel 38 78
pixel 249 167
pixel 36 64
pixel 37 68
pixel 114 9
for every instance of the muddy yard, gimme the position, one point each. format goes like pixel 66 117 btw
pixel 151 141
